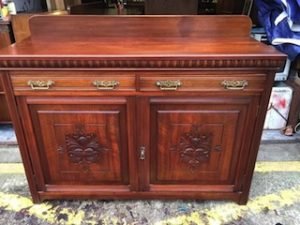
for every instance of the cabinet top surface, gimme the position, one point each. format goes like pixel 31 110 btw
pixel 138 38
pixel 141 48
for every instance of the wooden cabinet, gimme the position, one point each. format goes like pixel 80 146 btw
pixel 155 117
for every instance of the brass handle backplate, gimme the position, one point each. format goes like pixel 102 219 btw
pixel 168 85
pixel 106 84
pixel 40 84
pixel 142 153
pixel 234 84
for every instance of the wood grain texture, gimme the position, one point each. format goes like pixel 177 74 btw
pixel 155 27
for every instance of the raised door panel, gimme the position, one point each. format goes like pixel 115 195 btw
pixel 198 141
pixel 80 142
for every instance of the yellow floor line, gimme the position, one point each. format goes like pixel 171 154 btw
pixel 11 168
pixel 261 166
pixel 228 212
pixel 282 166
pixel 44 211
pixel 215 216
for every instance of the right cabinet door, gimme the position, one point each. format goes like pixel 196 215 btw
pixel 199 143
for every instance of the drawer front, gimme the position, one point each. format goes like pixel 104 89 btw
pixel 72 81
pixel 212 82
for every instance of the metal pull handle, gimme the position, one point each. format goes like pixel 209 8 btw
pixel 106 84
pixel 168 85
pixel 142 153
pixel 234 84
pixel 40 84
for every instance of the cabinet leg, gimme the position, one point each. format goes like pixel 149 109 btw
pixel 243 199
pixel 36 199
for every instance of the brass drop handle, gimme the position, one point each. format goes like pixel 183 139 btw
pixel 234 84
pixel 106 84
pixel 40 84
pixel 168 85
pixel 142 153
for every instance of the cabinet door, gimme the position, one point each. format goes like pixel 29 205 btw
pixel 79 141
pixel 199 142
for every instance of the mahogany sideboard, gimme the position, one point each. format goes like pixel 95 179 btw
pixel 139 107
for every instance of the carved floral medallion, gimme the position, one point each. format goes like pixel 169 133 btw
pixel 194 147
pixel 82 147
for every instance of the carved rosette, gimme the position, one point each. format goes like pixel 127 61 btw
pixel 194 147
pixel 82 148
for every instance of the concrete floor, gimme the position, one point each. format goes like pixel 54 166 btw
pixel 274 198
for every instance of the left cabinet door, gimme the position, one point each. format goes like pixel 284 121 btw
pixel 80 145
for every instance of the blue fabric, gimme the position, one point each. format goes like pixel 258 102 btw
pixel 293 10
pixel 268 11
pixel 283 30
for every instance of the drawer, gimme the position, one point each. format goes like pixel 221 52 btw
pixel 211 82
pixel 72 81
